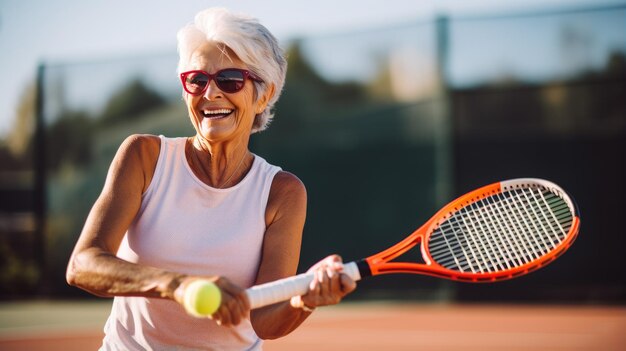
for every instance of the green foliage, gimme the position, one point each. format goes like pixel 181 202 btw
pixel 17 275
pixel 130 102
pixel 20 138
pixel 69 140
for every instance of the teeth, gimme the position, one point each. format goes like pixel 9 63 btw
pixel 216 112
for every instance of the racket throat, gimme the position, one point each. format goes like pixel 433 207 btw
pixel 364 268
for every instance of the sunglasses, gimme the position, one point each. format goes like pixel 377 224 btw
pixel 229 80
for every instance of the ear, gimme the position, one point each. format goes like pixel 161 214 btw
pixel 265 98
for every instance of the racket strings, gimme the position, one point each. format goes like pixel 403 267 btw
pixel 500 252
pixel 502 231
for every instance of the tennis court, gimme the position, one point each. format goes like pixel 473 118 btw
pixel 72 326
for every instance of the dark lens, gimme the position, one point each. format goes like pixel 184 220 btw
pixel 230 80
pixel 196 82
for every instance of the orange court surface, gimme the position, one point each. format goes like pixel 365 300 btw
pixel 77 325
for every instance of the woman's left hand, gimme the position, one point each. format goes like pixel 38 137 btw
pixel 234 306
pixel 329 286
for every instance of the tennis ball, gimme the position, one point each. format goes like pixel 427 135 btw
pixel 202 298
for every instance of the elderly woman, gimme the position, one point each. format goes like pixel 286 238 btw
pixel 174 210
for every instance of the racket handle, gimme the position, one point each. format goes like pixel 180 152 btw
pixel 284 289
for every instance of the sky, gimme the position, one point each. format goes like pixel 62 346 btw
pixel 60 31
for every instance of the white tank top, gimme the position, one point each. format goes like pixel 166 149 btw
pixel 186 226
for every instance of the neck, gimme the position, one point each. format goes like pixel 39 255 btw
pixel 218 164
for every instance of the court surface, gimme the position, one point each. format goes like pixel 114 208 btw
pixel 72 326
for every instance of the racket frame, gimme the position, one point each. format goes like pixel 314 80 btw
pixel 381 263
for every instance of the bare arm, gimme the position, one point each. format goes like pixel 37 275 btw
pixel 285 216
pixel 93 265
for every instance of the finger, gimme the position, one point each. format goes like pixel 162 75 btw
pixel 338 266
pixel 334 259
pixel 329 260
pixel 347 284
pixel 331 271
pixel 236 293
pixel 226 286
pixel 334 283
pixel 241 309
pixel 224 315
pixel 235 312
pixel 312 295
pixel 334 286
pixel 324 282
pixel 229 311
pixel 244 302
pixel 314 285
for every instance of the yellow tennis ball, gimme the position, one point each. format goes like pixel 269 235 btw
pixel 202 298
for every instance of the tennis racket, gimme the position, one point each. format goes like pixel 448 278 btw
pixel 497 232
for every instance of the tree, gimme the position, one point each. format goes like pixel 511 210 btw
pixel 130 102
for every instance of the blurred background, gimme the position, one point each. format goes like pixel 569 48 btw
pixel 390 110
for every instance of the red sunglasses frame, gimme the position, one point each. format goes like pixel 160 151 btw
pixel 246 75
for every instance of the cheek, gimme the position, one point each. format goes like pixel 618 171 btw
pixel 190 103
pixel 247 102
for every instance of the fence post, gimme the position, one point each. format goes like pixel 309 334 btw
pixel 444 141
pixel 444 133
pixel 39 203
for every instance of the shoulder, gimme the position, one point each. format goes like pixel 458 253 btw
pixel 143 144
pixel 137 157
pixel 285 184
pixel 287 195
pixel 139 147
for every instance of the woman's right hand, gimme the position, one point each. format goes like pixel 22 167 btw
pixel 329 286
pixel 234 306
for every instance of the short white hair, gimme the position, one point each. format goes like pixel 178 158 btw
pixel 253 44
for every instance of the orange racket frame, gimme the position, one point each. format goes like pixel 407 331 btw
pixel 380 263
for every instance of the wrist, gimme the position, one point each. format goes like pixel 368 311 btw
pixel 172 288
pixel 298 303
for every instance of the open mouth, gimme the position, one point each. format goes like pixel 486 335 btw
pixel 217 114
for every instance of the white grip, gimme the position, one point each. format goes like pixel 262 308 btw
pixel 284 289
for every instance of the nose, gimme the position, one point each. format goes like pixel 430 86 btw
pixel 212 91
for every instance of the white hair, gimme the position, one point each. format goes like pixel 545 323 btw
pixel 253 44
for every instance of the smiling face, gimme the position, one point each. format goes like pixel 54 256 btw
pixel 216 115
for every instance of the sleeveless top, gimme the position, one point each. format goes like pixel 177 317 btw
pixel 186 226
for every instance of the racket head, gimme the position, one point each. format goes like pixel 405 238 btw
pixel 497 232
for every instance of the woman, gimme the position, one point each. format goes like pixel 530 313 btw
pixel 174 210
